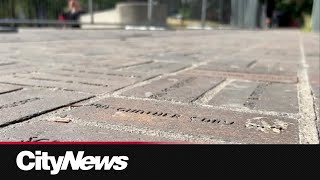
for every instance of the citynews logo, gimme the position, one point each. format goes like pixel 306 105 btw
pixel 42 161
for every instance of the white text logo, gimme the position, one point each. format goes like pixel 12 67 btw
pixel 42 161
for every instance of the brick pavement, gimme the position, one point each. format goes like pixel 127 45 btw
pixel 220 86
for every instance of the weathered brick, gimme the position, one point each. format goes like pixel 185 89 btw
pixel 193 120
pixel 259 96
pixel 91 85
pixel 49 131
pixel 183 88
pixel 27 103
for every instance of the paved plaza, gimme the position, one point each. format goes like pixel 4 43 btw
pixel 208 87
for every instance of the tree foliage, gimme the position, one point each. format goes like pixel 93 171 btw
pixel 296 8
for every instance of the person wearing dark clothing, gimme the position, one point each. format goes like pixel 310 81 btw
pixel 270 7
pixel 73 14
pixel 73 17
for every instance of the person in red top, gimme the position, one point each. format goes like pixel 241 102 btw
pixel 73 14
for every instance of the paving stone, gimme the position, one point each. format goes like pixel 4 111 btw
pixel 259 96
pixel 245 76
pixel 131 70
pixel 181 88
pixel 96 73
pixel 50 130
pixel 80 62
pixel 263 63
pixel 108 84
pixel 217 124
pixel 175 57
pixel 253 65
pixel 86 74
pixel 23 104
pixel 158 68
pixel 4 88
pixel 13 67
pixel 277 54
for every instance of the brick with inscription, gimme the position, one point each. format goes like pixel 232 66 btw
pixel 24 104
pixel 194 120
pixel 54 131
pixel 252 65
pixel 259 96
pixel 183 88
pixel 91 85
pixel 246 76
pixel 95 73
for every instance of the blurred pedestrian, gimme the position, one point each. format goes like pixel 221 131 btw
pixel 270 7
pixel 73 13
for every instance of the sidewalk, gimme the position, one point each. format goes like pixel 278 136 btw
pixel 219 86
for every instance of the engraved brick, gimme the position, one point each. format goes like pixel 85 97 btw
pixel 253 66
pixel 95 73
pixel 22 104
pixel 259 96
pixel 91 85
pixel 246 76
pixel 52 131
pixel 193 120
pixel 183 88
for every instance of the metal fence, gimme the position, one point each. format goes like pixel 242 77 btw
pixel 97 13
pixel 191 14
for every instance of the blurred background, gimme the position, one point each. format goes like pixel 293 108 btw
pixel 161 14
